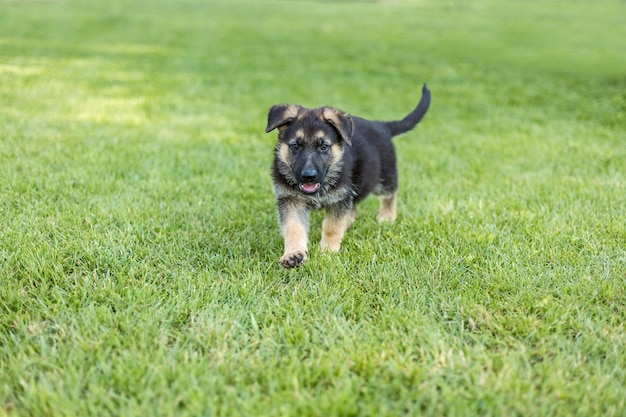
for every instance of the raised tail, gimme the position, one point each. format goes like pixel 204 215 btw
pixel 401 126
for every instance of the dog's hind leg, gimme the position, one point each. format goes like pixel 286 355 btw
pixel 387 211
pixel 334 227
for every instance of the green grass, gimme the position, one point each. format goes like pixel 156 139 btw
pixel 138 238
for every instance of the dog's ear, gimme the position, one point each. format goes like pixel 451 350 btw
pixel 280 115
pixel 341 121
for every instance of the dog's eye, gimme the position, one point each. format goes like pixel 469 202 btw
pixel 324 147
pixel 294 147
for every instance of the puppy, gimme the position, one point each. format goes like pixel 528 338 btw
pixel 327 159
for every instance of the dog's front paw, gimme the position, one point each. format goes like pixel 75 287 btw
pixel 293 259
pixel 330 245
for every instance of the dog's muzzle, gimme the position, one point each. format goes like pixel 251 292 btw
pixel 309 182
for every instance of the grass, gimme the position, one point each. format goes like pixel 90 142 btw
pixel 139 243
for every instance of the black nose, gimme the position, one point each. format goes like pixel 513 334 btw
pixel 309 175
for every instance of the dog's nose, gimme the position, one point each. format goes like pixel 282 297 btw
pixel 309 175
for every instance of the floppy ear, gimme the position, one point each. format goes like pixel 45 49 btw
pixel 281 114
pixel 341 121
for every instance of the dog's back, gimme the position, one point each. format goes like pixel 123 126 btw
pixel 374 169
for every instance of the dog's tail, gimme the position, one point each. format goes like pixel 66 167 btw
pixel 401 126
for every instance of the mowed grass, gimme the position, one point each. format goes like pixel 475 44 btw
pixel 139 244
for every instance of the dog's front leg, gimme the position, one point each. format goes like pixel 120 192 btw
pixel 294 225
pixel 334 226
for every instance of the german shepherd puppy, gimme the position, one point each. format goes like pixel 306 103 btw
pixel 327 159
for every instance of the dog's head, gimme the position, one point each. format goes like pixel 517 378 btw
pixel 310 144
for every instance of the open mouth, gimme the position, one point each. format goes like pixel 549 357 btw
pixel 309 188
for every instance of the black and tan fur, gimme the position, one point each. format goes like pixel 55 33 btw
pixel 327 159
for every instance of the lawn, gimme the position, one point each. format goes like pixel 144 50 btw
pixel 139 242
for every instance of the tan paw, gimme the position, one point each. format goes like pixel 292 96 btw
pixel 386 217
pixel 293 259
pixel 330 245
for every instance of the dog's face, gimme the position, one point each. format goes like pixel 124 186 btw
pixel 310 145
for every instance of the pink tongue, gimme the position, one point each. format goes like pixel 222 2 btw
pixel 309 188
